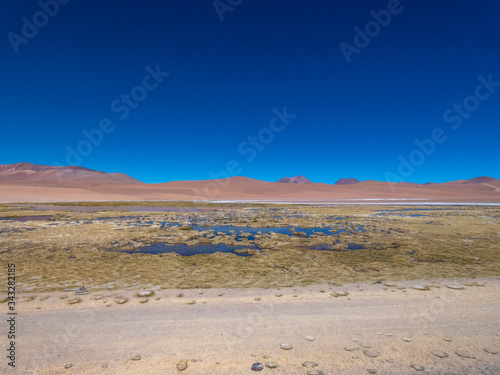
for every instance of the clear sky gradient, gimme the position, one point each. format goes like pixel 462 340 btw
pixel 356 105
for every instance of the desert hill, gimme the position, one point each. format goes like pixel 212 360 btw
pixel 25 182
pixel 346 181
pixel 295 180
pixel 34 174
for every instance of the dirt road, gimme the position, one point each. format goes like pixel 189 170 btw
pixel 386 328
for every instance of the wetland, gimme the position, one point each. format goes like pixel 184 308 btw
pixel 166 245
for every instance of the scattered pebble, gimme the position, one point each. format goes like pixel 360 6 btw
pixel 72 301
pixel 69 365
pixel 439 353
pixel 257 366
pixel 417 367
pixel 286 346
pixel 419 287
pixel 144 300
pixel 406 339
pixel 340 293
pixel 136 358
pixel 491 350
pixel 271 365
pixel 190 302
pixel 315 372
pixel 448 339
pixel 371 370
pixel 122 301
pixel 390 285
pixel 464 354
pixel 351 348
pixel 146 293
pixel 309 338
pixel 371 353
pixel 182 365
pixel 457 287
pixel 309 364
pixel 257 298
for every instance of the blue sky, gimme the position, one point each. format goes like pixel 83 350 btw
pixel 415 77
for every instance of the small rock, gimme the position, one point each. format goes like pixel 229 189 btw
pixel 406 339
pixel 448 339
pixel 371 353
pixel 491 350
pixel 144 300
pixel 122 301
pixel 309 364
pixel 73 301
pixel 464 354
pixel 309 338
pixel 286 346
pixel 340 293
pixel 271 365
pixel 390 285
pixel 257 366
pixel 257 298
pixel 439 353
pixel 182 365
pixel 456 287
pixel 351 348
pixel 354 339
pixel 417 367
pixel 365 345
pixel 146 293
pixel 136 358
pixel 371 370
pixel 69 365
pixel 332 283
pixel 315 372
pixel 389 360
pixel 419 287
pixel 190 302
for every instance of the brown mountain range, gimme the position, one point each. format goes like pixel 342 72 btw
pixel 25 182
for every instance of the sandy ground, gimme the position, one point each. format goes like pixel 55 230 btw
pixel 227 330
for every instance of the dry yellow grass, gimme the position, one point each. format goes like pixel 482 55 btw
pixel 73 247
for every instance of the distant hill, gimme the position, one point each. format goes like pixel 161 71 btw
pixel 346 181
pixel 295 180
pixel 34 174
pixel 482 180
pixel 26 182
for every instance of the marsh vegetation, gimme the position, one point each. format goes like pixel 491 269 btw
pixel 287 245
